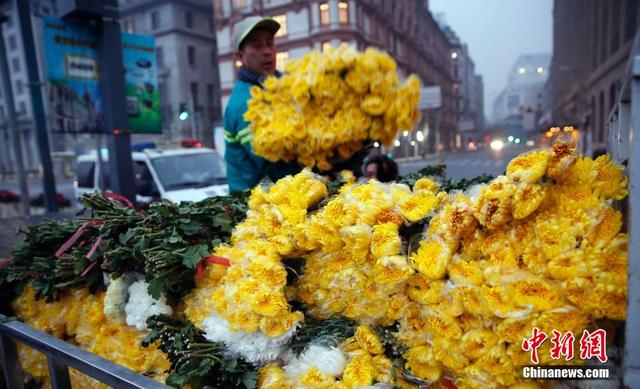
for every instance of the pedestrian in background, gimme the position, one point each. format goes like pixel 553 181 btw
pixel 381 168
pixel 253 38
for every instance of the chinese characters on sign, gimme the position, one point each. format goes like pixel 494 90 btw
pixel 592 344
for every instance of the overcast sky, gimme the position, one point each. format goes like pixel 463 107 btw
pixel 497 32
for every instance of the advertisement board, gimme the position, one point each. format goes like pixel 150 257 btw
pixel 73 72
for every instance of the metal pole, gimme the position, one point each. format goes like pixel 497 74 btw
pixel 100 162
pixel 31 58
pixel 631 361
pixel 14 133
pixel 112 88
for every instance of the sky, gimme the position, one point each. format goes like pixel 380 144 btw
pixel 496 33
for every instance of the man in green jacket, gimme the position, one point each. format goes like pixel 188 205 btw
pixel 253 38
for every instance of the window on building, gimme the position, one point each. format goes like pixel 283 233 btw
pixel 324 14
pixel 19 86
pixel 282 20
pixel 210 19
pixel 155 20
pixel 45 10
pixel 23 108
pixel 631 9
pixel 513 101
pixel 194 95
pixel 343 12
pixel 9 21
pixel 15 63
pixel 239 3
pixel 214 59
pixel 210 92
pixel 188 19
pixel 127 26
pixel 160 56
pixel 191 55
pixel 281 60
pixel 12 42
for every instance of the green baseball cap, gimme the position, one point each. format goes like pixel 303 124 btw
pixel 243 28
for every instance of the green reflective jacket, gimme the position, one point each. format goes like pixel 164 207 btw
pixel 244 168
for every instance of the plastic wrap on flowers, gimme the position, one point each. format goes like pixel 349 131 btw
pixel 329 105
pixel 78 316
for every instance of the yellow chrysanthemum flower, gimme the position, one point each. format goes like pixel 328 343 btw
pixel 272 377
pixel 385 240
pixel 431 259
pixel 418 206
pixel 610 178
pixel 369 340
pixel 392 270
pixel 427 184
pixel 527 199
pixel 530 167
pixel 359 372
pixel 422 362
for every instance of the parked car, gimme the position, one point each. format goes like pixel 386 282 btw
pixel 178 174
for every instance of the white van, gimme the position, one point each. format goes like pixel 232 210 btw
pixel 179 174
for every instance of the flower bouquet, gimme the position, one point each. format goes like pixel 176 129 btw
pixel 329 105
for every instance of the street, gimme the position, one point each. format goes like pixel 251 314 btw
pixel 459 165
pixel 63 186
pixel 468 164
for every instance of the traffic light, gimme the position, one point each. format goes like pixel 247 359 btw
pixel 183 112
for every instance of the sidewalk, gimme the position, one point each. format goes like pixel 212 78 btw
pixel 9 230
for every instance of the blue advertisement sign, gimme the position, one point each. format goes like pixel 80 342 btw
pixel 141 79
pixel 73 72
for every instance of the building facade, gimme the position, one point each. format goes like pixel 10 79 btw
pixel 518 108
pixel 21 95
pixel 403 28
pixel 187 58
pixel 469 89
pixel 591 44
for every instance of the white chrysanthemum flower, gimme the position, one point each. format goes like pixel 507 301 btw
pixel 329 360
pixel 141 305
pixel 115 299
pixel 473 192
pixel 254 347
pixel 296 368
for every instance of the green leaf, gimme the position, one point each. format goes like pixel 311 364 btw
pixel 250 379
pixel 175 237
pixel 156 287
pixel 191 228
pixel 192 255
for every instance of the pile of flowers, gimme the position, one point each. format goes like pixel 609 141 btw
pixel 320 288
pixel 78 317
pixel 329 104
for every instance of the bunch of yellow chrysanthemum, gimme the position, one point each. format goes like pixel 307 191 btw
pixel 78 317
pixel 357 266
pixel 540 247
pixel 330 104
pixel 250 295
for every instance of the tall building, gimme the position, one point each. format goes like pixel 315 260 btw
pixel 519 106
pixel 187 57
pixel 21 96
pixel 591 44
pixel 403 28
pixel 469 89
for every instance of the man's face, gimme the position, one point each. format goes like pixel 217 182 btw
pixel 259 52
pixel 371 171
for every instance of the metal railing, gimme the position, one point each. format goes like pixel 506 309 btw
pixel 60 356
pixel 623 144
